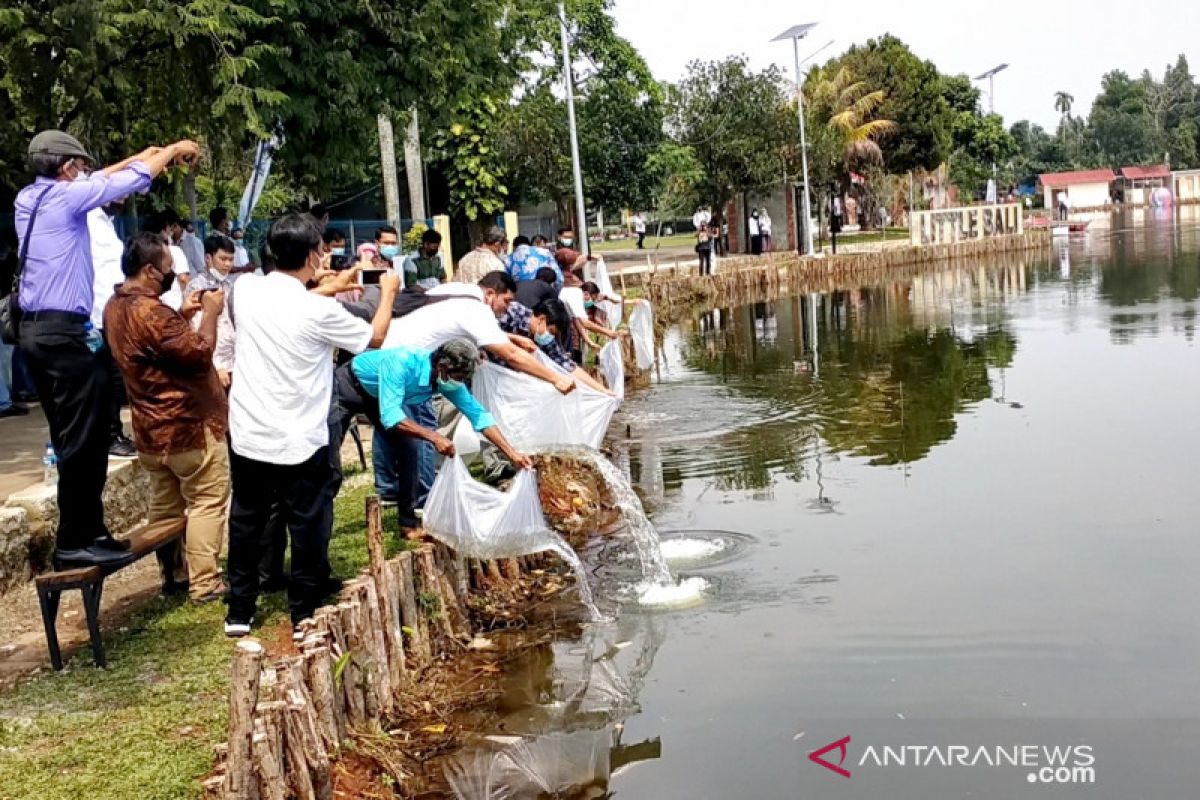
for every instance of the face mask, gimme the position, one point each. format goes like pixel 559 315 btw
pixel 82 176
pixel 588 304
pixel 567 242
pixel 448 385
pixel 166 282
pixel 543 339
pixel 338 251
pixel 389 250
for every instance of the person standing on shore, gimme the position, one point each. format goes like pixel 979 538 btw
pixel 764 225
pixel 55 295
pixel 639 227
pixel 755 234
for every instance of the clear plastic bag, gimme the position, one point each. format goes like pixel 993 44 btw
pixel 641 327
pixel 534 416
pixel 615 311
pixel 479 521
pixel 612 366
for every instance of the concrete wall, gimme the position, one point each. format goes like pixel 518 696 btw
pixel 1187 186
pixel 1088 195
pixel 963 224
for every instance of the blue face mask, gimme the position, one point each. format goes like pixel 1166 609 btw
pixel 588 304
pixel 448 386
pixel 338 251
pixel 389 250
pixel 543 339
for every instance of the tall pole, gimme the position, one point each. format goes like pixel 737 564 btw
pixel 414 169
pixel 387 158
pixel 808 243
pixel 580 213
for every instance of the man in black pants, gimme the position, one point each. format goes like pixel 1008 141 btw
pixel 56 296
pixel 279 409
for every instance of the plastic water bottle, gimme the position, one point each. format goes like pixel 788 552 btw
pixel 50 466
pixel 94 340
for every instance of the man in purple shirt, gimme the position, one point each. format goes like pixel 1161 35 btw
pixel 56 298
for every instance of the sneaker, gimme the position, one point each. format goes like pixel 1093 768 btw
pixel 236 629
pixel 388 502
pixel 14 411
pixel 122 448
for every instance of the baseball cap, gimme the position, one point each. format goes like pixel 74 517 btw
pixel 58 143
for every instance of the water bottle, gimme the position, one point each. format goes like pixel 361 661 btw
pixel 94 340
pixel 50 466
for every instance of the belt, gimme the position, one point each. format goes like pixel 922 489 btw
pixel 54 316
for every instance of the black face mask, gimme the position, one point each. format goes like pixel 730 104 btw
pixel 167 281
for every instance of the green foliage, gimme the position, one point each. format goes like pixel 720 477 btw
pixel 678 175
pixel 473 167
pixel 738 125
pixel 914 99
pixel 412 237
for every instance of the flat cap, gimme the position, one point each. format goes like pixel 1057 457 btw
pixel 57 143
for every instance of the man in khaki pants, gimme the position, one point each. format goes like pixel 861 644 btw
pixel 179 408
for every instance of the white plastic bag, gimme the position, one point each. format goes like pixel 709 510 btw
pixel 532 414
pixel 612 365
pixel 615 311
pixel 479 521
pixel 641 326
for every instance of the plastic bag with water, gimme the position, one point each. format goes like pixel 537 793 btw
pixel 480 521
pixel 534 416
pixel 641 326
pixel 612 366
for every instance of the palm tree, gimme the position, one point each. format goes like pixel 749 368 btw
pixel 1062 103
pixel 847 107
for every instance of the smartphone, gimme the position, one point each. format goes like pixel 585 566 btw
pixel 339 263
pixel 370 277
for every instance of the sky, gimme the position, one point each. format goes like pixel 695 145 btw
pixel 1049 45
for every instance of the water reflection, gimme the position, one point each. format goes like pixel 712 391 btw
pixel 559 728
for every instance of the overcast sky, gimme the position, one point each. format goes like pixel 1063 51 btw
pixel 1049 45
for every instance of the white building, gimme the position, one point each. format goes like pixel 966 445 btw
pixel 1087 189
pixel 1186 185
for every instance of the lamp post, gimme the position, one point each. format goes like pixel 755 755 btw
pixel 991 78
pixel 576 171
pixel 796 33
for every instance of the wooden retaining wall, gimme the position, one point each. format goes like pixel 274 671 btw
pixel 774 272
pixel 290 719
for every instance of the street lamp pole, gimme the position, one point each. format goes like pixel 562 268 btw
pixel 580 213
pixel 991 77
pixel 796 33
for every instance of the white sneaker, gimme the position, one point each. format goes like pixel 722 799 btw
pixel 237 630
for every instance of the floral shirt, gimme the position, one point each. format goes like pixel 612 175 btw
pixel 516 320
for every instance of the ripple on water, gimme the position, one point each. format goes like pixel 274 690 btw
pixel 697 549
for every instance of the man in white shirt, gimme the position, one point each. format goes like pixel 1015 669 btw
pixel 279 416
pixel 169 224
pixel 241 256
pixel 755 234
pixel 107 251
pixel 218 274
pixel 639 227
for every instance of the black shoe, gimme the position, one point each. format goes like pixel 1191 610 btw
pixel 174 588
pixel 107 542
pixel 91 557
pixel 25 397
pixel 14 411
pixel 122 448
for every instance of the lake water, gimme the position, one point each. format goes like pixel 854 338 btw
pixel 969 519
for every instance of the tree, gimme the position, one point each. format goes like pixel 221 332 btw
pixel 914 100
pixel 737 124
pixel 847 107
pixel 1063 102
pixel 1121 125
pixel 472 166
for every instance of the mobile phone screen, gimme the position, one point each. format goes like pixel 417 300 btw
pixel 370 277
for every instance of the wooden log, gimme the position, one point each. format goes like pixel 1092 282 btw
pixel 243 696
pixel 431 592
pixel 270 714
pixel 352 680
pixel 361 643
pixel 386 601
pixel 380 653
pixel 410 616
pixel 318 664
pixel 495 578
pixel 511 569
pixel 446 561
pixel 269 772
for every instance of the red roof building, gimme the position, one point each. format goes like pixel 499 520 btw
pixel 1157 172
pixel 1061 180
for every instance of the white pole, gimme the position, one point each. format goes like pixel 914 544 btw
pixel 580 213
pixel 808 243
pixel 387 156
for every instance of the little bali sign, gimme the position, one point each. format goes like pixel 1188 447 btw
pixel 949 225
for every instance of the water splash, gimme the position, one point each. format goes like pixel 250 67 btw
pixel 572 560
pixel 645 537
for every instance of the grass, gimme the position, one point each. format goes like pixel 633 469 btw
pixel 679 240
pixel 146 726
